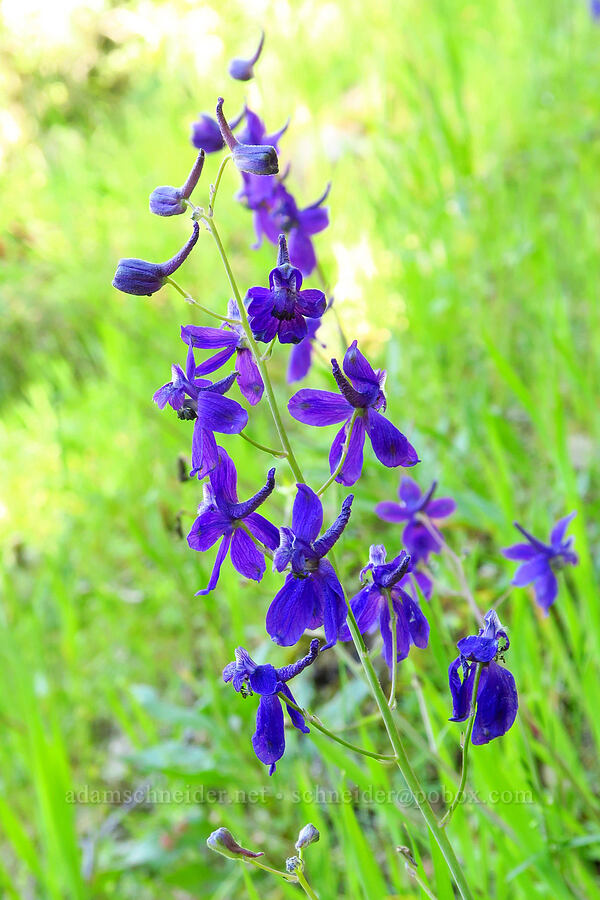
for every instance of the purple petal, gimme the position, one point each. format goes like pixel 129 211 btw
pixel 292 331
pixel 300 360
pixel 358 368
pixel 402 635
pixel 264 680
pixel 223 478
pixel 263 530
pixel 246 558
pixel 461 690
pixel 204 451
pixel 214 578
pixel 440 508
pixel 319 407
pixel 208 338
pixel 391 512
pixel 409 491
pixel 497 704
pixel 311 303
pixel 546 590
pixel 366 606
pixel 333 601
pixel 390 445
pixel 217 413
pixel 207 529
pixel 352 468
pixel 313 220
pixel 478 649
pixel 420 542
pixel 307 514
pixel 214 363
pixel 520 552
pixel 291 611
pixel 269 739
pixel 301 251
pixel 249 381
pixel 558 532
pixel 296 717
pixel 417 624
pixel 531 570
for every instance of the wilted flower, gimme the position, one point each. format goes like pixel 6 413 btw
pixel 280 310
pixel 222 841
pixel 141 278
pixel 257 159
pixel 362 398
pixel 541 561
pixel 247 677
pixel 243 69
pixel 229 339
pixel 371 606
pixel 312 594
pixel 169 201
pixel 221 515
pixel 419 539
pixel 497 700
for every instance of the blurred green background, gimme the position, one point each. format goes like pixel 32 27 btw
pixel 462 141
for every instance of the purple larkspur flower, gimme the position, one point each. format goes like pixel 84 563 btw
pixel 420 539
pixel 541 561
pixel 497 700
pixel 312 594
pixel 221 515
pixel 298 224
pixel 243 69
pixel 362 396
pixel 371 606
pixel 247 677
pixel 301 355
pixel 201 400
pixel 228 339
pixel 281 309
pixel 206 134
pixel 170 201
pixel 142 278
pixel 256 159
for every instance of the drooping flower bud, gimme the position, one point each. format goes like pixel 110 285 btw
pixel 308 835
pixel 256 159
pixel 169 201
pixel 222 841
pixel 243 69
pixel 142 278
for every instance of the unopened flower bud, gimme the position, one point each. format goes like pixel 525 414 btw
pixel 293 863
pixel 142 278
pixel 243 69
pixel 170 201
pixel 308 835
pixel 256 159
pixel 222 841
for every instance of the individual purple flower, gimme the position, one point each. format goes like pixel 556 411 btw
pixel 298 224
pixel 221 515
pixel 281 309
pixel 199 399
pixel 243 69
pixel 141 278
pixel 497 701
pixel 269 738
pixel 358 407
pixel 371 606
pixel 312 594
pixel 206 134
pixel 228 339
pixel 170 201
pixel 541 561
pixel 256 159
pixel 301 354
pixel 420 539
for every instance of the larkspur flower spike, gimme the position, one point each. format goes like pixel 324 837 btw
pixel 142 278
pixel 243 69
pixel 256 159
pixel 170 201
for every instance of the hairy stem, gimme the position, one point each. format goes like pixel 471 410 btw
pixel 465 752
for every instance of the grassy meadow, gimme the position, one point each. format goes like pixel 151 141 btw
pixel 463 146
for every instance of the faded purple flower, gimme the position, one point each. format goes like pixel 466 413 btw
pixel 281 309
pixel 541 561
pixel 371 606
pixel 361 399
pixel 267 681
pixel 141 278
pixel 312 594
pixel 420 539
pixel 228 339
pixel 497 700
pixel 221 515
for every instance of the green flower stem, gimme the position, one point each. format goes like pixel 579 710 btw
pixel 280 454
pixel 215 187
pixel 255 862
pixel 394 625
pixel 305 885
pixel 262 367
pixel 189 299
pixel 345 448
pixel 268 352
pixel 465 752
pixel 334 737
